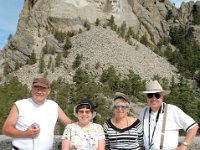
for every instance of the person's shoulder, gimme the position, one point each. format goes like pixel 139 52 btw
pixel 51 102
pixel 137 120
pixel 72 125
pixel 22 101
pixel 96 125
pixel 144 109
pixel 173 107
pixel 108 121
pixel 134 121
pixel 131 119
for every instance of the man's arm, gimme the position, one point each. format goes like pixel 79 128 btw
pixel 9 127
pixel 188 138
pixel 191 133
pixel 62 117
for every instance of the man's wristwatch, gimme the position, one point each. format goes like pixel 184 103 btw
pixel 185 144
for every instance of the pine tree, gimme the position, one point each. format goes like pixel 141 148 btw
pixel 32 58
pixel 49 63
pixel 7 69
pixel 58 60
pixel 67 46
pixel 41 64
pixel 77 61
pixel 97 22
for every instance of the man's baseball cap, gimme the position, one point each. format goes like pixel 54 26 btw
pixel 41 82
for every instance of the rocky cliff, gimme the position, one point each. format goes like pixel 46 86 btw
pixel 145 17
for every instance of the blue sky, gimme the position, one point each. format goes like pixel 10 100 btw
pixel 178 2
pixel 9 15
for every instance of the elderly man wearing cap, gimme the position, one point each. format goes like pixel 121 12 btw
pixel 83 134
pixel 123 132
pixel 162 121
pixel 31 121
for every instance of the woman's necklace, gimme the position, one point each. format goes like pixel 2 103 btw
pixel 122 125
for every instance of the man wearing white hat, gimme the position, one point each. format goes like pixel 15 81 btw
pixel 162 121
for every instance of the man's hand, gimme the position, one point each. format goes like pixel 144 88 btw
pixel 32 132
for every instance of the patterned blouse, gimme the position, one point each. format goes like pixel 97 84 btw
pixel 130 138
pixel 83 138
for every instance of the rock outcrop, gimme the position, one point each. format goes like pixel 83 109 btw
pixel 146 17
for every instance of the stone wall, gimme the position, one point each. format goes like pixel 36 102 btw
pixel 5 143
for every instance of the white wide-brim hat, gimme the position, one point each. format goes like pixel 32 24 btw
pixel 155 87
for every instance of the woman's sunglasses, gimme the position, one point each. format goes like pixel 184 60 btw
pixel 156 95
pixel 120 107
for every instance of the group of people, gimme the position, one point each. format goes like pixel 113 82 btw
pixel 31 123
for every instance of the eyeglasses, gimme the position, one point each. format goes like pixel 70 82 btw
pixel 86 111
pixel 120 107
pixel 157 95
pixel 38 88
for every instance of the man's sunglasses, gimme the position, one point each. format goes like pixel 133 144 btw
pixel 156 95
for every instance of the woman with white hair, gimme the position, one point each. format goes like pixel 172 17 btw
pixel 84 134
pixel 122 131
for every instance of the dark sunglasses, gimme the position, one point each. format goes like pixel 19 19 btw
pixel 120 107
pixel 157 95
